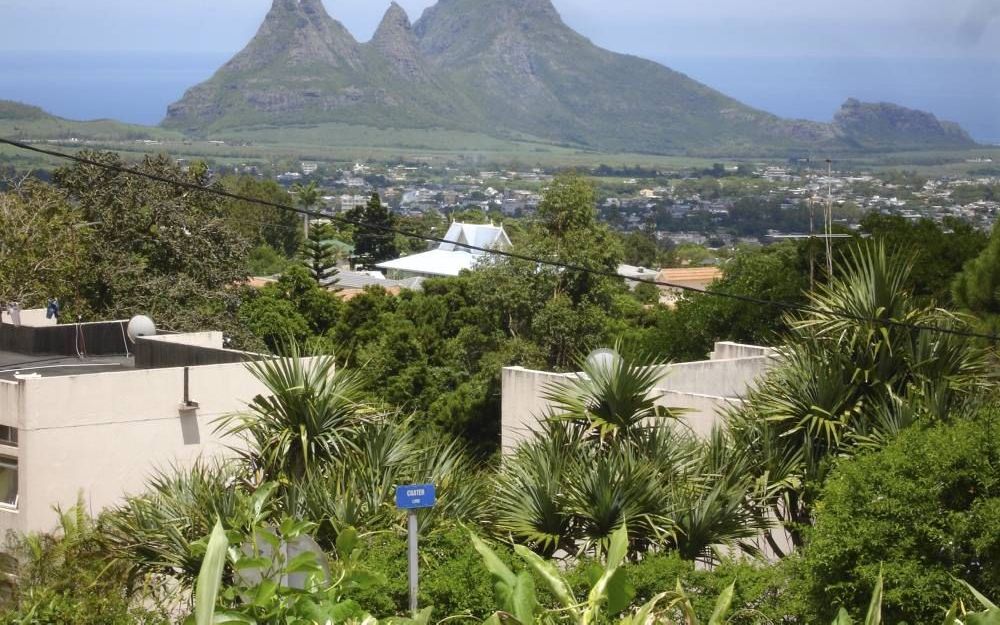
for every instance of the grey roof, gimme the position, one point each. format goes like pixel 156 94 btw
pixel 48 366
pixel 346 279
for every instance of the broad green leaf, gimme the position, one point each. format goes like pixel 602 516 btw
pixel 951 618
pixel 843 618
pixel 618 549
pixel 266 590
pixel 989 617
pixel 493 564
pixel 265 534
pixel 874 616
pixel 347 542
pixel 232 618
pixel 305 562
pixel 684 604
pixel 423 617
pixel 259 562
pixel 643 614
pixel 210 576
pixel 364 579
pixel 260 499
pixel 548 571
pixel 620 592
pixel 979 596
pixel 722 605
pixel 523 600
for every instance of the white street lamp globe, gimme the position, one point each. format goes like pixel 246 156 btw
pixel 603 359
pixel 140 325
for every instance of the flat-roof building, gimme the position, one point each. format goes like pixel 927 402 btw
pixel 84 411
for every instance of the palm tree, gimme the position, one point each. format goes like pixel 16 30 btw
pixel 308 196
pixel 855 370
pixel 309 418
pixel 612 397
pixel 159 533
pixel 609 454
pixel 358 489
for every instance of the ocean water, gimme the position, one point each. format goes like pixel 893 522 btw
pixel 133 87
pixel 959 90
pixel 137 86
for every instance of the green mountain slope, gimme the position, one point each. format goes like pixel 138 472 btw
pixel 511 69
pixel 22 121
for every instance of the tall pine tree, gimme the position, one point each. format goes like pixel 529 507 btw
pixel 374 245
pixel 319 255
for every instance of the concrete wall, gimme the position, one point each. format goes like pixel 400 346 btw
pixel 34 317
pixel 10 398
pixel 704 389
pixel 725 350
pixel 719 378
pixel 700 412
pixel 184 350
pixel 102 435
pixel 96 339
pixel 522 404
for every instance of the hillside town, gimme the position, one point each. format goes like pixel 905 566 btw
pixel 685 206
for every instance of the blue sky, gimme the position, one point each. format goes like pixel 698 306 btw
pixel 655 28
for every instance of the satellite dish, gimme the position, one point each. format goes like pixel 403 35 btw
pixel 140 325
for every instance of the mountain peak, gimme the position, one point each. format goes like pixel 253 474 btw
pixel 394 23
pixel 298 32
pixel 395 42
pixel 509 69
pixel 878 124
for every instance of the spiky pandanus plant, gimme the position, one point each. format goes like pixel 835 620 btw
pixel 857 368
pixel 158 533
pixel 610 454
pixel 310 417
pixel 358 490
pixel 313 447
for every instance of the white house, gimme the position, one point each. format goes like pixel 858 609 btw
pixel 451 257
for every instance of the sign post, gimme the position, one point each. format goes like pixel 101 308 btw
pixel 412 498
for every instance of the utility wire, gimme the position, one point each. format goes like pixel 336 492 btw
pixel 749 299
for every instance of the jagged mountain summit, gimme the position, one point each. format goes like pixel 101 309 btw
pixel 509 69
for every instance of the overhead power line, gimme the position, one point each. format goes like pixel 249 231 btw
pixel 749 299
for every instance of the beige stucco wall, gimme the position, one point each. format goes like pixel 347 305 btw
pixel 103 435
pixel 704 389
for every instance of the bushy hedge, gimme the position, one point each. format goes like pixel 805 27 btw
pixel 926 509
pixel 453 578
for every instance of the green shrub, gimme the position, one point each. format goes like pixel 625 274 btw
pixel 925 508
pixel 765 593
pixel 453 578
pixel 67 577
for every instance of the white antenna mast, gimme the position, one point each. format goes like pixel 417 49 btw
pixel 829 219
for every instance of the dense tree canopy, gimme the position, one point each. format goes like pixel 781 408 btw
pixel 373 245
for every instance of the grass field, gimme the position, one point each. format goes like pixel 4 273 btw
pixel 343 143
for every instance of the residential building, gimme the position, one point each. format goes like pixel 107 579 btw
pixel 450 258
pixel 350 202
pixel 685 278
pixel 86 413
pixel 702 389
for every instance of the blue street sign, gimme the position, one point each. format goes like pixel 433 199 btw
pixel 415 496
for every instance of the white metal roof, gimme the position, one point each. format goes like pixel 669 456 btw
pixel 450 259
pixel 433 263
